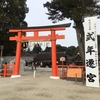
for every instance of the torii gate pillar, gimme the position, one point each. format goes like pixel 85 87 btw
pixel 18 55
pixel 52 37
pixel 54 61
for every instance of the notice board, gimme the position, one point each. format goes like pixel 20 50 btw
pixel 74 72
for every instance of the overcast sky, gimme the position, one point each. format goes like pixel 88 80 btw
pixel 37 17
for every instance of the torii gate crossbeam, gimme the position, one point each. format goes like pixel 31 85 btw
pixel 52 37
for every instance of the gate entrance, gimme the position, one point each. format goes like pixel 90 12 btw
pixel 51 37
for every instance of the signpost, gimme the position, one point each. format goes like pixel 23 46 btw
pixel 62 59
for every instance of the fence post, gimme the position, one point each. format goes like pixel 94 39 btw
pixel 5 69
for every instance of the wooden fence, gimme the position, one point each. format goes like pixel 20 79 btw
pixel 62 70
pixel 7 70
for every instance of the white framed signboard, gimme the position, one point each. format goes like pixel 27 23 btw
pixel 91 52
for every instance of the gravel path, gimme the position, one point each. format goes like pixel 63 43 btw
pixel 43 88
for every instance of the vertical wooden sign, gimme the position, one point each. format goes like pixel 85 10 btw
pixel 91 52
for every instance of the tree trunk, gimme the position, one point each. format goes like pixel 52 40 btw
pixel 80 38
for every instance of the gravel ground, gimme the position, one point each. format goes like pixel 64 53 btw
pixel 42 87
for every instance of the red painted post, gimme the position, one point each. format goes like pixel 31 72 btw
pixel 5 70
pixel 18 54
pixel 53 49
pixel 36 34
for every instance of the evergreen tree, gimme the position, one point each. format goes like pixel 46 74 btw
pixel 12 14
pixel 75 10
pixel 47 49
pixel 71 50
pixel 37 48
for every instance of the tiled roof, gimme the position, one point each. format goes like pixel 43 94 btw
pixel 47 56
pixel 10 58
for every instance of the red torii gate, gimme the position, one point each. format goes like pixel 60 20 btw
pixel 52 37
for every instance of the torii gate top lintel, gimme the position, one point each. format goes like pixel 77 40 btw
pixel 40 28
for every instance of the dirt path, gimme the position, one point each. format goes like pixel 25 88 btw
pixel 43 88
